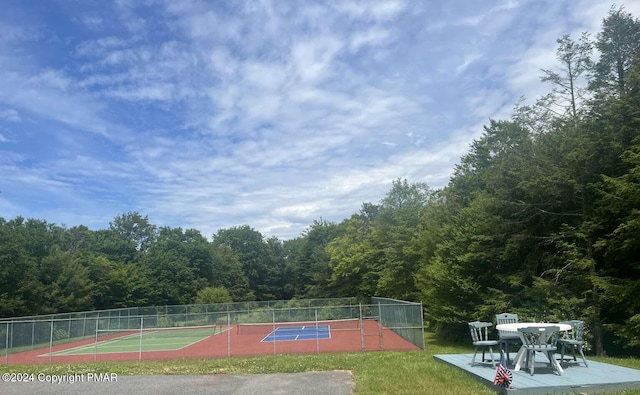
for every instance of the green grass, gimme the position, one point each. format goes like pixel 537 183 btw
pixel 415 372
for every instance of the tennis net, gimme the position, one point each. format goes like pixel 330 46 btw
pixel 161 333
pixel 259 328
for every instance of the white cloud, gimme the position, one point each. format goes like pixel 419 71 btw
pixel 371 37
pixel 10 115
pixel 54 79
pixel 94 22
pixel 271 114
pixel 312 59
pixel 378 10
pixel 468 59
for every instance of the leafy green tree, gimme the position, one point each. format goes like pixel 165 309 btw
pixel 395 226
pixel 538 118
pixel 134 228
pixel 211 295
pixel 278 270
pixel 174 279
pixel 113 246
pixel 179 263
pixel 352 260
pixel 253 253
pixel 524 226
pixel 597 273
pixel 618 249
pixel 371 257
pixel 308 270
pixel 618 44
pixel 292 253
pixel 618 221
pixel 20 288
pixel 29 242
pixel 492 230
pixel 228 274
pixel 575 61
pixel 66 283
pixel 38 236
pixel 469 272
pixel 117 284
pixel 501 142
pixel 78 238
pixel 191 246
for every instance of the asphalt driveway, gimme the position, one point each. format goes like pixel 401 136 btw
pixel 308 383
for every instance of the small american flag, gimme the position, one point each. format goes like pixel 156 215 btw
pixel 503 375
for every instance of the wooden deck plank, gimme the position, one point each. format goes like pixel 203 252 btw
pixel 576 379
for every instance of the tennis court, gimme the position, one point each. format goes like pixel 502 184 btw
pixel 213 331
pixel 310 332
pixel 158 339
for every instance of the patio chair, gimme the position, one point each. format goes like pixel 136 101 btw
pixel 573 338
pixel 543 339
pixel 480 336
pixel 507 337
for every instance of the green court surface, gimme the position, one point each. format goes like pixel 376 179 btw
pixel 164 339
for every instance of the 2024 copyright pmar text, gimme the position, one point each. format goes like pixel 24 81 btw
pixel 71 378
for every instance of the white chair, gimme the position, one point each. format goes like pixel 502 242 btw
pixel 543 339
pixel 505 338
pixel 480 336
pixel 573 338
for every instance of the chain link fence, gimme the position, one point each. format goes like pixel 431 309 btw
pixel 230 329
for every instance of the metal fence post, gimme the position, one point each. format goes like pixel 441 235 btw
pixel 424 346
pixel 95 348
pixel 380 335
pixel 361 321
pixel 317 337
pixel 6 349
pixel 51 341
pixel 273 312
pixel 141 326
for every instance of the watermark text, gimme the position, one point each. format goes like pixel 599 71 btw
pixel 71 378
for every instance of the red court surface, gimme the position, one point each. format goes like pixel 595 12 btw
pixel 231 343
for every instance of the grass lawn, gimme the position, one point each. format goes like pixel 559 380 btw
pixel 415 372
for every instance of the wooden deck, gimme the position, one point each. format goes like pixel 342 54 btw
pixel 576 379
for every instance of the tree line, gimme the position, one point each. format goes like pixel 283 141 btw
pixel 541 217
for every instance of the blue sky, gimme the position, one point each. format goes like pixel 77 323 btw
pixel 211 114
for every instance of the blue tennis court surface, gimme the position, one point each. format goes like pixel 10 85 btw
pixel 311 332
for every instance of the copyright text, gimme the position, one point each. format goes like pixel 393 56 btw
pixel 60 378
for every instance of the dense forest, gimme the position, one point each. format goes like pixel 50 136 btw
pixel 541 217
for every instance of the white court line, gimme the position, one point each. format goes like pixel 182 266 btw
pixel 190 344
pixel 86 346
pixel 90 348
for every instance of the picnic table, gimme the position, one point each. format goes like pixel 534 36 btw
pixel 522 352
